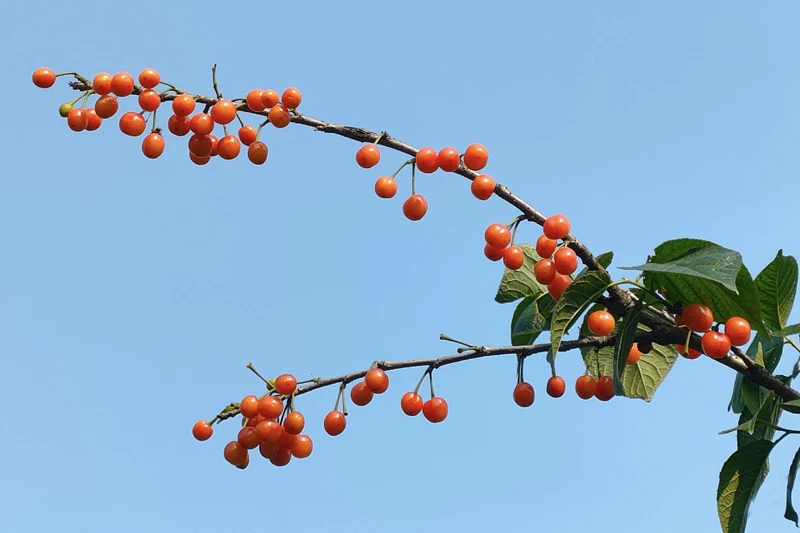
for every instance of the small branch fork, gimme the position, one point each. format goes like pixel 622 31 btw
pixel 619 301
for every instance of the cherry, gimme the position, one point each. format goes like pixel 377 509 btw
pixel 303 448
pixel 257 153
pixel 153 145
pixel 229 147
pixel 415 207
pixel 200 145
pixel 269 431
pixel 43 77
pixel 253 100
pixel 214 145
pixel 249 406
pixel 291 98
pixel 545 271
pixel 557 287
pixel 360 394
pixel 513 258
pixel 556 386
pixel 201 124
pixel 368 156
pixel 177 125
pixel 692 354
pixel 132 124
pixel 149 100
pixel 386 187
pixel 235 453
pixel 279 116
pixel 524 394
pixel 738 330
pixel 294 423
pixel 249 437
pixel 449 160
pixel 377 380
pixel 411 403
pixel 94 120
pixel 334 423
pixel 498 235
pixel 605 388
pixel 427 160
pixel 268 449
pixel 281 457
pixel 77 120
pixel 122 84
pixel 149 78
pixel 245 463
pixel 183 105
pixel 633 355
pixel 585 386
pixel 202 430
pixel 545 247
pixel 566 261
pixel 253 422
pixel 698 318
pixel 435 410
pixel 102 83
pixel 247 134
pixel 476 156
pixel 492 253
pixel 601 323
pixel 556 227
pixel 199 160
pixel 106 106
pixel 223 112
pixel 285 384
pixel 287 440
pixel 483 187
pixel 715 345
pixel 269 98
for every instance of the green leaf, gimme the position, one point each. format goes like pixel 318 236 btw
pixel 791 406
pixel 582 292
pixel 777 285
pixel 790 513
pixel 695 258
pixel 785 332
pixel 767 352
pixel 640 380
pixel 520 283
pixel 626 331
pixel 724 302
pixel 739 480
pixel 759 427
pixel 531 318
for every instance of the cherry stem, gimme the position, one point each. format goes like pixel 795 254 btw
pixel 341 392
pixel 339 397
pixel 413 176
pixel 86 98
pixel 419 383
pixel 381 136
pixel 520 365
pixel 177 91
pixel 77 76
pixel 396 172
pixel 214 81
pixel 430 379
pixel 82 95
pixel 443 337
pixel 241 122
pixel 254 371
pixel 154 121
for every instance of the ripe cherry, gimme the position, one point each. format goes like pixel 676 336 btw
pixel 585 386
pixel 214 145
pixel 368 156
pixel 513 258
pixel 249 437
pixel 524 394
pixel 223 112
pixel 386 187
pixel 253 422
pixel 248 135
pixel 605 388
pixel 377 380
pixel 698 318
pixel 435 410
pixel 601 323
pixel 545 247
pixel 93 120
pixel 199 160
pixel 279 116
pixel 200 145
pixel 557 287
pixel 566 261
pixel 43 77
pixel 282 457
pixel 132 124
pixel 269 430
pixel 492 253
pixel 427 160
pixel 201 124
pixel 122 84
pixel 334 423
pixel 254 102
pixel 449 159
pixel 291 98
pixel 149 100
pixel 633 355
pixel 692 353
pixel 249 406
pixel 294 423
pixel 102 83
pixel 482 187
pixel 360 394
pixel 415 207
pixel 153 145
pixel 149 78
pixel 411 403
pixel 183 105
pixel 106 106
pixel 202 430
pixel 178 125
pixel 268 449
pixel 235 453
pixel 257 153
pixel 476 156
pixel 287 440
pixel 556 386
pixel 229 147
pixel 498 235
pixel 77 120
pixel 270 407
pixel 303 448
pixel 285 384
pixel 738 330
pixel 270 98
pixel 545 271
pixel 715 345
pixel 556 227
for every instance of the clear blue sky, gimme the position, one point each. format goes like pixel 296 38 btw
pixel 134 291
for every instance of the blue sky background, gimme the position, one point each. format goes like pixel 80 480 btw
pixel 135 292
